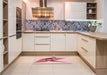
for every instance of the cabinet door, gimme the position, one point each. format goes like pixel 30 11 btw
pixel 1 61
pixel 1 55
pixel 12 48
pixel 71 42
pixel 19 45
pixel 75 10
pixel 28 42
pixel 12 17
pixel 92 52
pixel 58 42
pixel 1 10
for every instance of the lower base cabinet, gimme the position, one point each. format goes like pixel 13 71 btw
pixel 19 45
pixel 71 42
pixel 28 42
pixel 1 55
pixel 58 41
pixel 87 49
pixel 12 48
pixel 49 42
pixel 42 42
pixel 1 61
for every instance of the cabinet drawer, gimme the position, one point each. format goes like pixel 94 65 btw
pixel 85 51
pixel 87 42
pixel 84 40
pixel 42 40
pixel 42 47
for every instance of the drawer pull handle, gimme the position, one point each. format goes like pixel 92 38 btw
pixel 42 44
pixel 84 49
pixel 84 40
pixel 42 36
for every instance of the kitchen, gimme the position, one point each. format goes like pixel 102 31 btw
pixel 38 33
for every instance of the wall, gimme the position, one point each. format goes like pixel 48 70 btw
pixel 19 3
pixel 100 13
pixel 105 16
pixel 57 4
pixel 29 5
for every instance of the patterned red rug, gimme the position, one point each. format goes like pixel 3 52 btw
pixel 52 59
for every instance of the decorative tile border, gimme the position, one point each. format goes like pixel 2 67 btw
pixel 47 25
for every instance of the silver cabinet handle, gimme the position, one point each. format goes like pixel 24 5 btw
pixel 84 49
pixel 42 44
pixel 42 36
pixel 85 40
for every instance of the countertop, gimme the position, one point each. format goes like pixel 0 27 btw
pixel 96 35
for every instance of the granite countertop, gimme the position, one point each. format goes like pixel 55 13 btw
pixel 96 35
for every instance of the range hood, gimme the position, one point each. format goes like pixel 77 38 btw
pixel 43 11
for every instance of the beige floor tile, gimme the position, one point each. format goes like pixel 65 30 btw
pixel 25 66
pixel 41 73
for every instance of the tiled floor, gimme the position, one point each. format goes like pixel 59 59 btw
pixel 24 66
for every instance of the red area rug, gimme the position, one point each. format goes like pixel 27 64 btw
pixel 52 59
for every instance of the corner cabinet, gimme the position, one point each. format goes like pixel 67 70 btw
pixel 75 10
pixel 87 49
pixel 58 41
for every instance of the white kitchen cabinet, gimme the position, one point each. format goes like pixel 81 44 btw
pixel 71 42
pixel 1 55
pixel 19 45
pixel 87 48
pixel 12 48
pixel 42 42
pixel 28 42
pixel 75 10
pixel 12 17
pixel 1 29
pixel 58 41
pixel 1 61
pixel 1 16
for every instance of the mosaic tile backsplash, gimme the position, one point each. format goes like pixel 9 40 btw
pixel 48 25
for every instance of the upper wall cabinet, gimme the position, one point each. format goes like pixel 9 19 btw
pixel 12 17
pixel 75 10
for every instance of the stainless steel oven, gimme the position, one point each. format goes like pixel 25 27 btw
pixel 18 23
